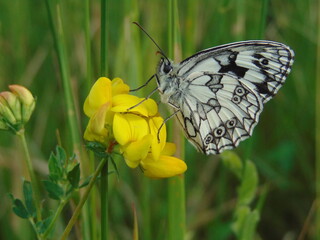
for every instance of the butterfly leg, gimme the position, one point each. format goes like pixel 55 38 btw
pixel 164 121
pixel 145 84
pixel 150 94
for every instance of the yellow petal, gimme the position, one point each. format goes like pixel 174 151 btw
pixel 129 128
pixel 136 151
pixel 91 136
pixel 100 94
pixel 119 87
pixel 157 146
pixel 123 102
pixel 98 120
pixel 97 127
pixel 165 167
pixel 169 149
pixel 151 107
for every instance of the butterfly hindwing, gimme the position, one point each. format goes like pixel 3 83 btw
pixel 218 117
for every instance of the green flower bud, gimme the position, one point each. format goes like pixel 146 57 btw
pixel 27 101
pixel 6 115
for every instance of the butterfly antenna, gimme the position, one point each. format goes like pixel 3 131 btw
pixel 161 51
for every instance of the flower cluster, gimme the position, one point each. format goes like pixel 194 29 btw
pixel 113 119
pixel 16 107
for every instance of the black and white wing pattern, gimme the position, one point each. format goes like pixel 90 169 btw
pixel 220 91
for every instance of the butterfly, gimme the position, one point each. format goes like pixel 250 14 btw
pixel 218 93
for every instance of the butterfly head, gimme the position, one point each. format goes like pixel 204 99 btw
pixel 165 67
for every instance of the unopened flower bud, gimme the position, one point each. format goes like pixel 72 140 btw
pixel 13 103
pixel 6 113
pixel 27 101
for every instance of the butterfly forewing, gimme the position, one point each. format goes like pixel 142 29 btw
pixel 220 91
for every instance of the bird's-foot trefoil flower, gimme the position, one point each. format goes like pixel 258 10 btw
pixel 136 131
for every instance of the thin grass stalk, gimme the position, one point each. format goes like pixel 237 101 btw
pixel 263 18
pixel 88 45
pixel 83 199
pixel 90 225
pixel 241 19
pixel 58 36
pixel 60 46
pixel 103 39
pixel 176 185
pixel 103 72
pixel 317 133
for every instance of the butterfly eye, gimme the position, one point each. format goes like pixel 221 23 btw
pixel 167 68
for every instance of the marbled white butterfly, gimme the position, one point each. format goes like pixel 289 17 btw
pixel 218 93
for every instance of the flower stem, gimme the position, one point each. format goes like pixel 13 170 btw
pixel 55 217
pixel 33 179
pixel 77 211
pixel 104 202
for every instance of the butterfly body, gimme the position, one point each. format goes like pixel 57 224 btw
pixel 219 93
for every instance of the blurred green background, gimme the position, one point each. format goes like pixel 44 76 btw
pixel 282 145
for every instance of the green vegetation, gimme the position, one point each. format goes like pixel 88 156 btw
pixel 265 189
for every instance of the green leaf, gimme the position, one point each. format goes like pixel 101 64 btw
pixel 43 225
pixel 98 149
pixel 249 183
pixel 55 168
pixel 245 223
pixel 232 161
pixel 19 209
pixel 61 156
pixel 54 190
pixel 28 198
pixel 74 176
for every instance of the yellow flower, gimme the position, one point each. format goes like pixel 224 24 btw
pixel 97 106
pixel 133 123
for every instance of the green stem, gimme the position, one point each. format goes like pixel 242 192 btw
pixel 104 202
pixel 55 217
pixel 34 182
pixel 263 19
pixel 317 133
pixel 104 38
pixel 176 185
pixel 103 72
pixel 35 228
pixel 89 223
pixel 77 211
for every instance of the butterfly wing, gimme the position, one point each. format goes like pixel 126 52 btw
pixel 217 111
pixel 224 89
pixel 261 65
